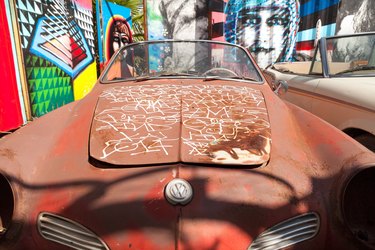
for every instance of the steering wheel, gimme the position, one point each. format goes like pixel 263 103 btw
pixel 225 70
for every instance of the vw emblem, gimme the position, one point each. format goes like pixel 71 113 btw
pixel 178 191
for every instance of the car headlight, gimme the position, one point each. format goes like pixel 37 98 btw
pixel 359 206
pixel 6 205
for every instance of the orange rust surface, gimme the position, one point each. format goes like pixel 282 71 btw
pixel 308 166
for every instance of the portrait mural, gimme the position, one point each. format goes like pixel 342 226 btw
pixel 114 30
pixel 273 30
pixel 118 34
pixel 268 28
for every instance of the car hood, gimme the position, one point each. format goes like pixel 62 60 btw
pixel 166 123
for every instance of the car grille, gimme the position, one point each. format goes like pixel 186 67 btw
pixel 287 233
pixel 67 232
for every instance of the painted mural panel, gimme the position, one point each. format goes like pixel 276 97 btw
pixel 58 44
pixel 177 19
pixel 115 27
pixel 10 107
pixel 356 16
pixel 272 30
pixel 137 17
pixel 318 19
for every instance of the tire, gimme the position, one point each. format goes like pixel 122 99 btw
pixel 367 140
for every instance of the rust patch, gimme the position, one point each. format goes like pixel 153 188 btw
pixel 8 153
pixel 253 141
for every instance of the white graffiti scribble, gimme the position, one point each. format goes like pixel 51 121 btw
pixel 202 120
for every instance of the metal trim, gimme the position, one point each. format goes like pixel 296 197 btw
pixel 68 232
pixel 289 232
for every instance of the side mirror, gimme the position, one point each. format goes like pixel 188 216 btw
pixel 281 88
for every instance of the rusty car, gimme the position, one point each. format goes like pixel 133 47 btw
pixel 183 145
pixel 337 84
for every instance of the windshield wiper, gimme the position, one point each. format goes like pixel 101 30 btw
pixel 116 78
pixel 211 78
pixel 359 68
pixel 177 74
pixel 144 78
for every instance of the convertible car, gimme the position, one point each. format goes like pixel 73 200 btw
pixel 338 85
pixel 183 145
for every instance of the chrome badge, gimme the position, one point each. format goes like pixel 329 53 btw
pixel 178 191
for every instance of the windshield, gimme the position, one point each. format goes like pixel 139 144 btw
pixel 184 59
pixel 351 55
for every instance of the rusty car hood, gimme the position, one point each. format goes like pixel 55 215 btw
pixel 166 123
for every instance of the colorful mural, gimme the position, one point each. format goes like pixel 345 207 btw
pixel 318 19
pixel 115 23
pixel 57 39
pixel 137 17
pixel 283 30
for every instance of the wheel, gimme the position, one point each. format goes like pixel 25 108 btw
pixel 224 70
pixel 367 140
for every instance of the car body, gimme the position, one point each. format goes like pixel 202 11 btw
pixel 183 145
pixel 337 85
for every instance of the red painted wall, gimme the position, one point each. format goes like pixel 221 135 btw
pixel 10 108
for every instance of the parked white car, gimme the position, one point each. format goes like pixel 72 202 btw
pixel 338 85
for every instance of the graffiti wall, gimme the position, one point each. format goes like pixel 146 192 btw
pixel 57 43
pixel 57 39
pixel 114 29
pixel 137 17
pixel 119 23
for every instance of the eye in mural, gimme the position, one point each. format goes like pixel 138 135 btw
pixel 268 28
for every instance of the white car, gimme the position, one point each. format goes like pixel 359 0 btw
pixel 338 85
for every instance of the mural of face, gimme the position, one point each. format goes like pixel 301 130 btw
pixel 118 35
pixel 267 28
pixel 121 35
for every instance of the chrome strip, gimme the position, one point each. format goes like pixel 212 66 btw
pixel 288 232
pixel 327 98
pixel 67 232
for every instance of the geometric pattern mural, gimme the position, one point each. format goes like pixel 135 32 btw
pixel 28 13
pixel 57 38
pixel 84 19
pixel 49 86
